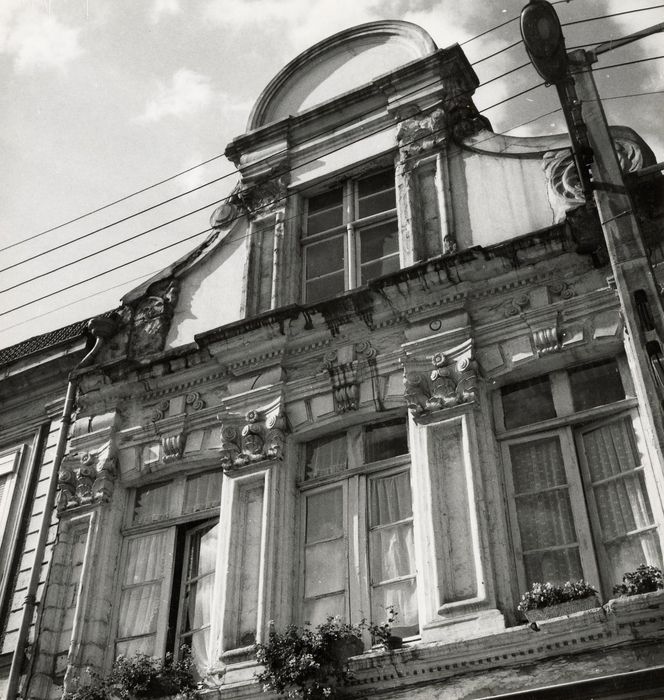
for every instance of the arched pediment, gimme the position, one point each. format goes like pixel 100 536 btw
pixel 339 64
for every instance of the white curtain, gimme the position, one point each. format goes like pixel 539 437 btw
pixel 621 498
pixel 544 512
pixel 326 456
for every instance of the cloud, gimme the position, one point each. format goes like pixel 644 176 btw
pixel 188 93
pixel 162 8
pixel 36 39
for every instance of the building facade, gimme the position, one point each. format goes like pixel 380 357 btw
pixel 395 374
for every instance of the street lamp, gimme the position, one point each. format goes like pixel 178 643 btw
pixel 544 41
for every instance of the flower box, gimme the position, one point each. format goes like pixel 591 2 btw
pixel 561 609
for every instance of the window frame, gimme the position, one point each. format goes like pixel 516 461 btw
pixel 350 230
pixel 568 426
pixel 175 527
pixel 354 484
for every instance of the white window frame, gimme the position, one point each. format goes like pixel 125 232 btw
pixel 350 229
pixel 567 426
pixel 354 483
pixel 171 526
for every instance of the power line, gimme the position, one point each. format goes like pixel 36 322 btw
pixel 613 14
pixel 216 202
pixel 233 172
pixel 118 201
pixel 125 264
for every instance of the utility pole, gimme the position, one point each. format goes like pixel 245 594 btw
pixel 601 174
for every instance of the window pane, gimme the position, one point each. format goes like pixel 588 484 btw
pixel 555 566
pixel 325 257
pixel 141 645
pixel 318 610
pixel 379 268
pixel 390 499
pixel 324 568
pixel 155 502
pixel 385 440
pixel 392 553
pixel 325 515
pixel 139 610
pixel 618 485
pixel 325 287
pixel 376 194
pixel 202 492
pixel 202 551
pixel 378 241
pixel 325 211
pixel 544 512
pixel 596 384
pixel 402 596
pixel 527 402
pixel 326 456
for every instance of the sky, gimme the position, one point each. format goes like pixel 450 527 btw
pixel 104 98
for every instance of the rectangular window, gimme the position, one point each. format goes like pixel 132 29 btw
pixel 168 571
pixel 358 556
pixel 579 494
pixel 351 236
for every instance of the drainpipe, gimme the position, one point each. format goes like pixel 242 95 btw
pixel 101 328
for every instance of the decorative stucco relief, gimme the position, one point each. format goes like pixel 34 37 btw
pixel 86 478
pixel 562 179
pixel 264 197
pixel 344 367
pixel 257 436
pixel 452 382
pixel 152 317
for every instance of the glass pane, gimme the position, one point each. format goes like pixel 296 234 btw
pixel 556 566
pixel 324 568
pixel 390 499
pixel 545 520
pixel 596 384
pixel 376 193
pixel 611 449
pixel 325 200
pixel 155 502
pixel 527 402
pixel 402 596
pixel 325 257
pixel 199 643
pixel 139 610
pixel 378 268
pixel 376 203
pixel 326 456
pixel 202 551
pixel 392 553
pixel 325 287
pixel 378 241
pixel 628 553
pixel 319 609
pixel 198 603
pixel 146 558
pixel 623 506
pixel 325 515
pixel 202 492
pixel 537 465
pixel 141 645
pixel 385 440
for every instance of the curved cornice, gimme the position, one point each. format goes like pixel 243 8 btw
pixel 418 38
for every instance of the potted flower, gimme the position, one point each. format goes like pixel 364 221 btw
pixel 644 580
pixel 141 676
pixel 547 600
pixel 306 662
pixel 381 635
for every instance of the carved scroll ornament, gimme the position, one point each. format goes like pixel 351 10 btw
pixel 452 382
pixel 260 436
pixel 86 478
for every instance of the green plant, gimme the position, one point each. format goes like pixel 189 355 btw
pixel 382 634
pixel 306 662
pixel 141 676
pixel 644 580
pixel 543 595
